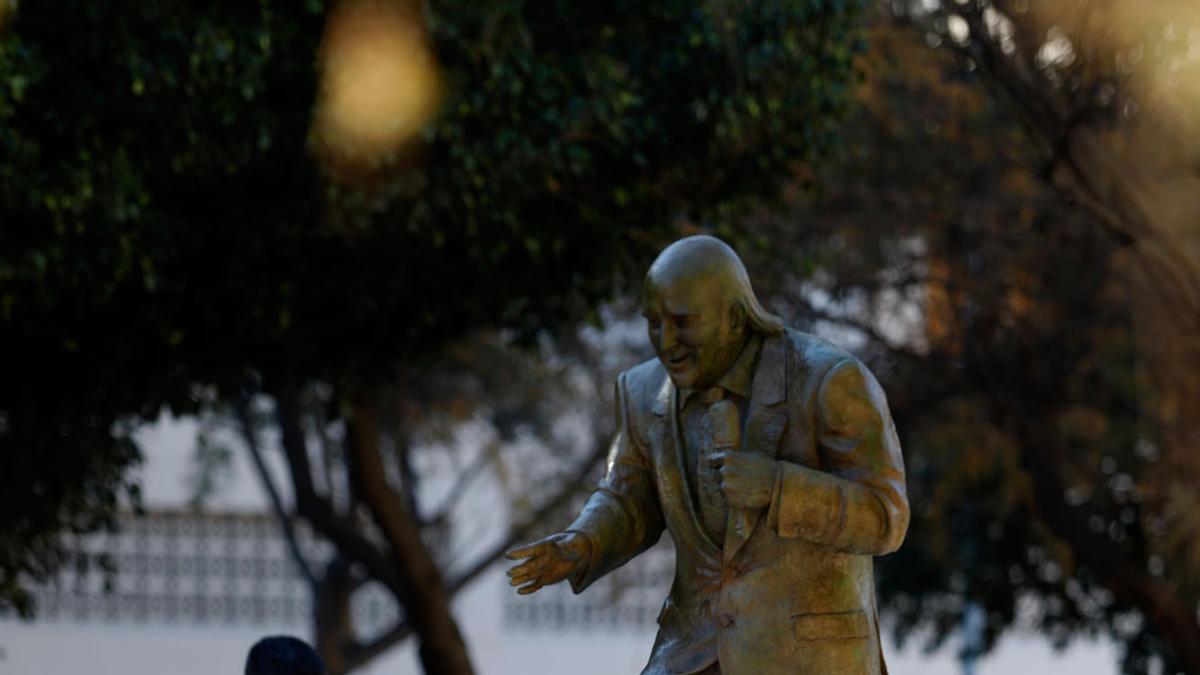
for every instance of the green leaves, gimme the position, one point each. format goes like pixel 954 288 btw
pixel 160 202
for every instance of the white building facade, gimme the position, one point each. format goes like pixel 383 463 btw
pixel 191 592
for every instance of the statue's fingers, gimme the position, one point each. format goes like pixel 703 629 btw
pixel 524 564
pixel 531 587
pixel 525 551
pixel 732 471
pixel 738 466
pixel 522 579
pixel 730 486
pixel 736 458
pixel 528 567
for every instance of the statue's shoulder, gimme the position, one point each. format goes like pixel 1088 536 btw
pixel 813 354
pixel 643 382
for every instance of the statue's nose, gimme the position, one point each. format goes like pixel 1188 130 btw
pixel 667 336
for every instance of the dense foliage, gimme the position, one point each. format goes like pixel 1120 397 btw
pixel 165 226
pixel 1022 350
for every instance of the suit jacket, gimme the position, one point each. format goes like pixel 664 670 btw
pixel 791 588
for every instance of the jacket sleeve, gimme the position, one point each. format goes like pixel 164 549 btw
pixel 622 517
pixel 857 501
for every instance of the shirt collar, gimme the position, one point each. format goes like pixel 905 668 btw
pixel 738 378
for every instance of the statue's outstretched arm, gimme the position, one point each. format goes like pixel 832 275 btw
pixel 621 519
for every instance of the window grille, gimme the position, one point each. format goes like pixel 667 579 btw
pixel 188 569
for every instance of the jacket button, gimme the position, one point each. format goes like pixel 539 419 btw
pixel 726 620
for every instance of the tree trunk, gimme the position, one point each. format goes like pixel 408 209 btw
pixel 423 590
pixel 331 607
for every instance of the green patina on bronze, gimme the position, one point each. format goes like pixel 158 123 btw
pixel 785 438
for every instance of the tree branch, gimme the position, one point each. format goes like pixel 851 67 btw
pixel 866 329
pixel 464 478
pixel 423 592
pixel 247 426
pixel 409 481
pixel 1097 182
pixel 360 653
pixel 518 533
pixel 317 509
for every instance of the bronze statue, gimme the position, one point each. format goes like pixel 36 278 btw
pixel 771 458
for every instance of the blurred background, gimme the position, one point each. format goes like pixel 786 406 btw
pixel 309 310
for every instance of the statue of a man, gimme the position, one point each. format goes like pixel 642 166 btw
pixel 771 458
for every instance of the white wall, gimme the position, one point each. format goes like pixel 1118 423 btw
pixel 64 648
pixel 72 649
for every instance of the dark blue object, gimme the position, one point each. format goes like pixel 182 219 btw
pixel 283 655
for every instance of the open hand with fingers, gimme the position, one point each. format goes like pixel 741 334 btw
pixel 547 561
pixel 747 478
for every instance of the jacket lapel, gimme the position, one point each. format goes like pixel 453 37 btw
pixel 765 421
pixel 675 490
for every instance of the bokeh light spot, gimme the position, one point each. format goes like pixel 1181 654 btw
pixel 379 81
pixel 7 9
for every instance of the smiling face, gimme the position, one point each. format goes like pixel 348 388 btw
pixel 697 332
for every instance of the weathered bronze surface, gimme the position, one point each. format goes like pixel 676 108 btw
pixel 771 458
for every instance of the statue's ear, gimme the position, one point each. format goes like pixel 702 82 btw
pixel 737 317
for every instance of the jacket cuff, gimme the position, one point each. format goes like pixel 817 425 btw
pixel 584 574
pixel 810 504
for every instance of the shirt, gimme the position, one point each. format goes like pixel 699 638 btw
pixel 703 479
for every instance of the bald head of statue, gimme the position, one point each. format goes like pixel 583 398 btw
pixel 700 310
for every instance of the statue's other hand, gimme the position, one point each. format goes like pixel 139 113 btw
pixel 747 478
pixel 547 561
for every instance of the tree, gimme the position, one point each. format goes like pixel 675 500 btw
pixel 992 243
pixel 486 414
pixel 177 231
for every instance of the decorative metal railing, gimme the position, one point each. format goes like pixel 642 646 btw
pixel 182 568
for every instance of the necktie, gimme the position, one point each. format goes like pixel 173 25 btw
pixel 719 431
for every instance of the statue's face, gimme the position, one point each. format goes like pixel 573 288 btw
pixel 696 332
